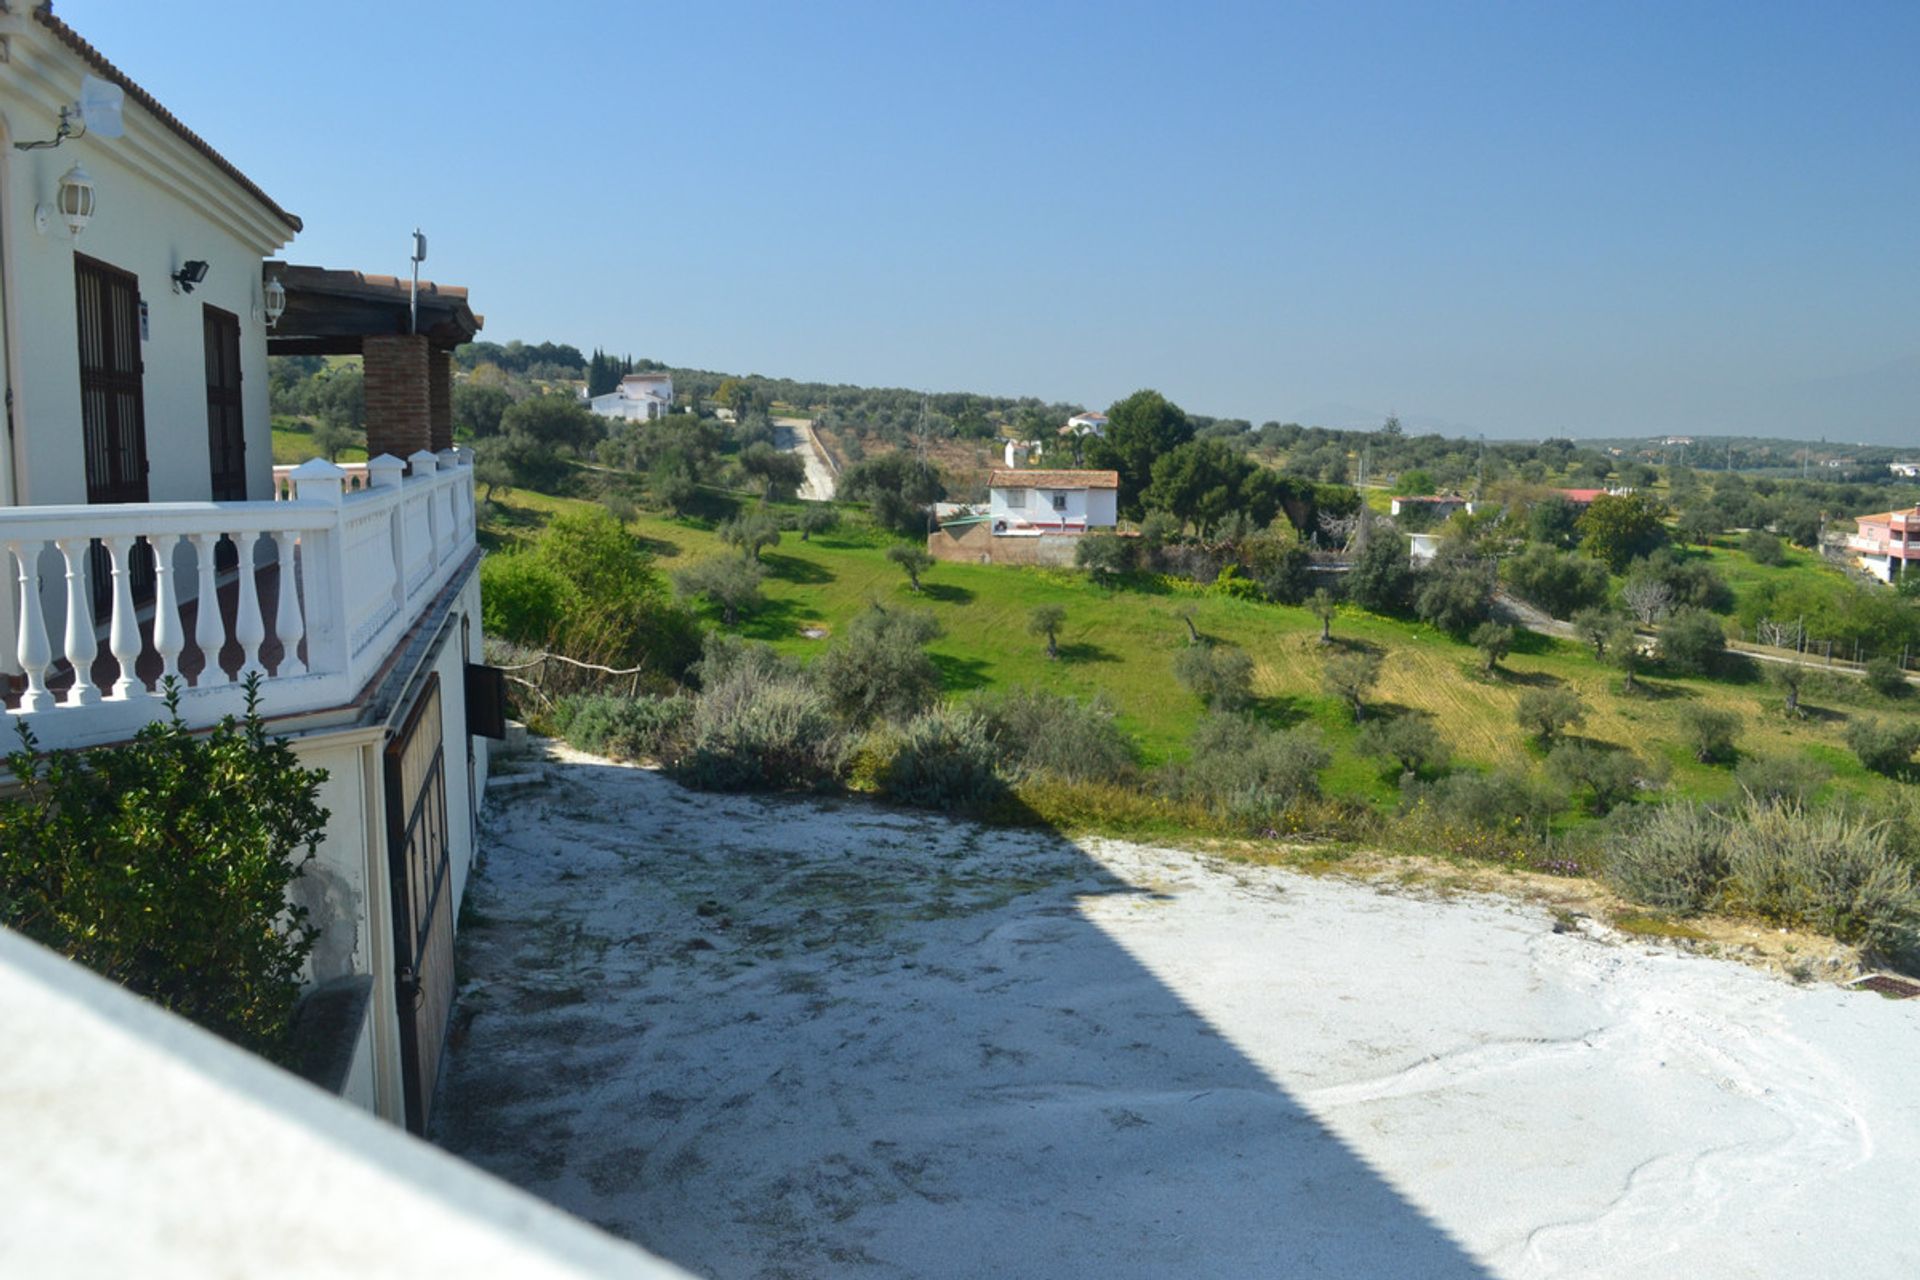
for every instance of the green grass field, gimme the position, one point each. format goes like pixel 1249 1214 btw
pixel 1122 644
pixel 293 444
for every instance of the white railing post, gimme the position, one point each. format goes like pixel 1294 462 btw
pixel 319 568
pixel 248 628
pixel 81 646
pixel 209 631
pixel 9 619
pixel 123 640
pixel 168 638
pixel 286 619
pixel 35 652
pixel 426 469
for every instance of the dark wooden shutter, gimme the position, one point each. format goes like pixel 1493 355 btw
pixel 113 420
pixel 422 889
pixel 226 430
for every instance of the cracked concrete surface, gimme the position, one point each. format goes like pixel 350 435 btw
pixel 781 1037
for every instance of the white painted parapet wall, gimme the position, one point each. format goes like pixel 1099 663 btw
pixel 136 1144
pixel 367 563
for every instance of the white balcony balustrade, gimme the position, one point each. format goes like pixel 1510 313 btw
pixel 353 478
pixel 312 592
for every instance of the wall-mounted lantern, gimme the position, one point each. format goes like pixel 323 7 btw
pixel 275 294
pixel 74 200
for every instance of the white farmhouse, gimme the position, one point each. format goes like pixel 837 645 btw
pixel 1085 424
pixel 1030 503
pixel 640 397
pixel 145 533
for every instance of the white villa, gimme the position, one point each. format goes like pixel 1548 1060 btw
pixel 640 397
pixel 1887 544
pixel 1031 503
pixel 146 534
pixel 1086 424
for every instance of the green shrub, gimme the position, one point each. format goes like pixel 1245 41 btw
pixel 1408 741
pixel 624 728
pixel 1221 676
pixel 878 669
pixel 1674 858
pixel 1827 869
pixel 1780 777
pixel 1350 677
pixel 1885 678
pixel 1692 642
pixel 1883 747
pixel 1236 586
pixel 1106 555
pixel 1506 799
pixel 1249 775
pixel 1454 595
pixel 165 864
pixel 523 599
pixel 618 612
pixel 750 731
pixel 1709 733
pixel 1610 776
pixel 1560 582
pixel 1548 713
pixel 945 759
pixel 1043 734
pixel 1763 547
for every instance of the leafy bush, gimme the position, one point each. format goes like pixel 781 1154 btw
pixel 1883 747
pixel 1409 741
pixel 1382 578
pixel 1495 813
pixel 945 759
pixel 1610 776
pixel 1237 586
pixel 1763 547
pixel 1043 734
pixel 624 728
pixel 1780 777
pixel 753 731
pixel 1560 582
pixel 1827 869
pixel 1106 555
pixel 1709 733
pixel 1885 678
pixel 1221 676
pixel 1548 713
pixel 878 669
pixel 523 599
pixel 1692 642
pixel 165 864
pixel 1674 858
pixel 617 612
pixel 729 584
pixel 1249 775
pixel 1454 596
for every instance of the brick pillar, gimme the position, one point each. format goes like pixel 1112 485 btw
pixel 399 399
pixel 440 400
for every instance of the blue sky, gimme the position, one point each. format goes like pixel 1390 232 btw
pixel 1518 219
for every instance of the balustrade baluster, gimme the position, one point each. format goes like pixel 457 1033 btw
pixel 124 637
pixel 287 622
pixel 248 628
pixel 81 645
pixel 9 619
pixel 169 638
pixel 34 651
pixel 209 632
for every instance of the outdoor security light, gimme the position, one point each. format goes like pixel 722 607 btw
pixel 191 273
pixel 75 199
pixel 276 300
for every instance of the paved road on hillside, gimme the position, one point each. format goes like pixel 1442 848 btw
pixel 795 435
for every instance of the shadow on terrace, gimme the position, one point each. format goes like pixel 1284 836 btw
pixel 788 1037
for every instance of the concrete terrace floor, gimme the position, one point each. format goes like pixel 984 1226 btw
pixel 771 1037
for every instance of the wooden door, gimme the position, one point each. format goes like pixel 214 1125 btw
pixel 226 431
pixel 113 422
pixel 418 862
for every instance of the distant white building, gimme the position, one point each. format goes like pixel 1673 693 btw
pixel 1086 424
pixel 1439 506
pixel 1908 469
pixel 1028 503
pixel 640 397
pixel 1018 452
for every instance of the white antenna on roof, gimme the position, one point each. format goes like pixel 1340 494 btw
pixel 413 294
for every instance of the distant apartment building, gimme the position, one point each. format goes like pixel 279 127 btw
pixel 640 397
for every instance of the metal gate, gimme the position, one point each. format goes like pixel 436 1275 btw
pixel 416 801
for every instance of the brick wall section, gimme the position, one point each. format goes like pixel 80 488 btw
pixel 440 400
pixel 399 403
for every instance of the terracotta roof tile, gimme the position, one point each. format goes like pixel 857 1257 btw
pixel 107 71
